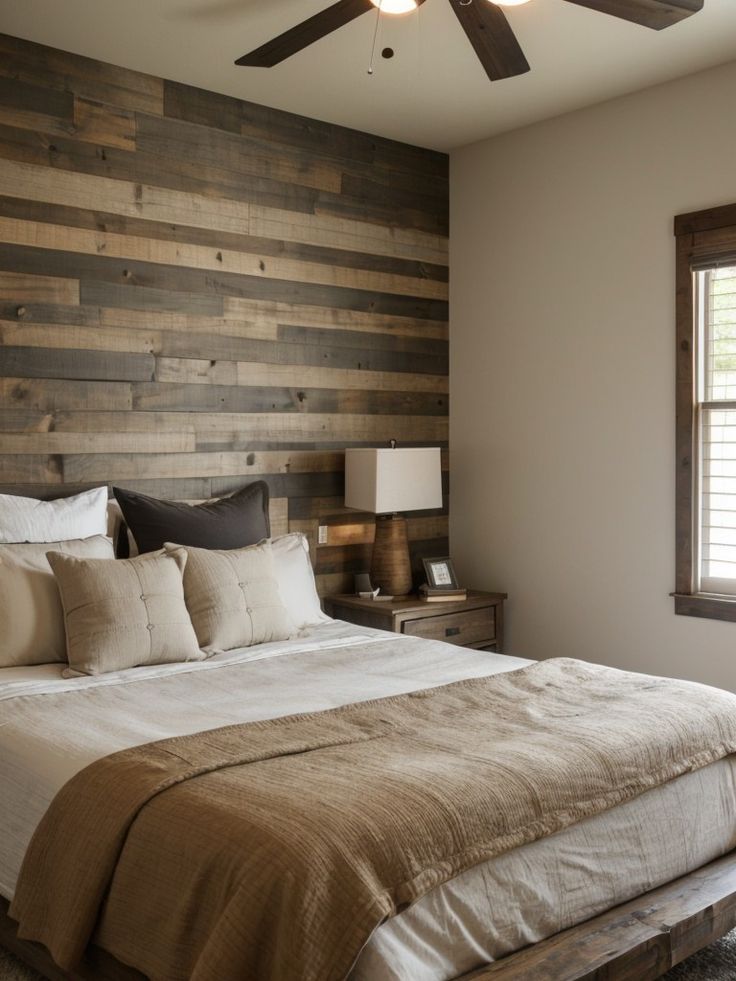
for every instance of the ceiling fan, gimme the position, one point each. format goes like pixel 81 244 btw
pixel 482 20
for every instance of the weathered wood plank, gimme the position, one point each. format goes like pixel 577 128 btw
pixel 91 123
pixel 19 333
pixel 31 469
pixel 240 430
pixel 29 131
pixel 33 138
pixel 173 138
pixel 49 312
pixel 177 361
pixel 33 362
pixel 299 334
pixel 362 532
pixel 60 71
pixel 335 584
pixel 23 96
pixel 308 135
pixel 116 337
pixel 284 485
pixel 225 347
pixel 149 298
pixel 49 395
pixel 347 234
pixel 382 210
pixel 210 109
pixel 278 513
pixel 370 322
pixel 20 288
pixel 405 198
pixel 238 317
pixel 309 354
pixel 121 197
pixel 30 181
pixel 253 398
pixel 255 327
pixel 113 465
pixel 111 443
pixel 55 214
pixel 191 371
pixel 104 125
pixel 343 558
pixel 210 286
pixel 84 242
pixel 25 420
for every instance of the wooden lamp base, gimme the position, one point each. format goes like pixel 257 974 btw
pixel 391 565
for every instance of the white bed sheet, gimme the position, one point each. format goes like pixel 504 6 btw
pixel 50 728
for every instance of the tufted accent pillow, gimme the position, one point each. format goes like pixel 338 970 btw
pixel 125 613
pixel 233 597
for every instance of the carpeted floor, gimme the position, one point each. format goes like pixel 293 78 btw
pixel 715 963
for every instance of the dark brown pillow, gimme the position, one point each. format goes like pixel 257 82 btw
pixel 230 522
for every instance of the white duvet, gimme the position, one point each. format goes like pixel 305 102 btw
pixel 50 728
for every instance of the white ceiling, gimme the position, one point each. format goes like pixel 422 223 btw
pixel 433 92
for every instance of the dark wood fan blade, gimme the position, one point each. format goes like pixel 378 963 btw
pixel 492 38
pixel 306 33
pixel 656 14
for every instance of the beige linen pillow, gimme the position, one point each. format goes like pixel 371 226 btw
pixel 31 615
pixel 233 597
pixel 125 613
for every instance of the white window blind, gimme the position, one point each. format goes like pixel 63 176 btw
pixel 716 429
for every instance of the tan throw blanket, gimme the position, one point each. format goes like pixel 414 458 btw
pixel 272 850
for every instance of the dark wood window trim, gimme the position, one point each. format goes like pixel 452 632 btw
pixel 701 236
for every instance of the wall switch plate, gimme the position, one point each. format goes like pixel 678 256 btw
pixel 322 535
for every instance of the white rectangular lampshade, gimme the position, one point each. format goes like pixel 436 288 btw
pixel 385 481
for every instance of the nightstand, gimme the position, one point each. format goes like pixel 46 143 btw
pixel 475 622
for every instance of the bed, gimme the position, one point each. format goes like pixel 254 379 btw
pixel 53 727
pixel 204 777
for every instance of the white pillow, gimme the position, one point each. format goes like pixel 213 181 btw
pixel 295 577
pixel 31 613
pixel 24 519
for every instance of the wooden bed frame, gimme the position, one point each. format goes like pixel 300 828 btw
pixel 637 941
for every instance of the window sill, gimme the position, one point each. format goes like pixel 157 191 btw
pixel 700 605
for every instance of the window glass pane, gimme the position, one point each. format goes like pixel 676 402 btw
pixel 718 500
pixel 718 309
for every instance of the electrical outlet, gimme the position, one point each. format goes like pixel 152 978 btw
pixel 322 535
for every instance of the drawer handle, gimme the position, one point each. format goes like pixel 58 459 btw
pixel 452 631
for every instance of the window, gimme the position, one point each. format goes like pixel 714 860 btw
pixel 706 414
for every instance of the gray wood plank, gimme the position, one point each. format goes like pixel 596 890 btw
pixel 38 362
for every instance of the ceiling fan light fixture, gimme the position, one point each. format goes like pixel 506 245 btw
pixel 509 3
pixel 395 6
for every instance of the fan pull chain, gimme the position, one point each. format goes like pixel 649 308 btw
pixel 375 35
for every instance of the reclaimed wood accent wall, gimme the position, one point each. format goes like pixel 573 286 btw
pixel 196 292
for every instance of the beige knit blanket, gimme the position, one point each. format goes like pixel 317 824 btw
pixel 272 850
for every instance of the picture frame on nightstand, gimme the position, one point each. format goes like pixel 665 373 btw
pixel 440 573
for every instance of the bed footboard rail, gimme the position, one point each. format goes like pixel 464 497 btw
pixel 637 941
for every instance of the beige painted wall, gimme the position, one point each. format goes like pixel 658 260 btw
pixel 562 372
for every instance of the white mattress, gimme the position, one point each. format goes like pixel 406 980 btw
pixel 50 728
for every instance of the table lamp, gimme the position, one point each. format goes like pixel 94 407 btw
pixel 386 481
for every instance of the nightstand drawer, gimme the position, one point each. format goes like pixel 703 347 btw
pixel 466 628
pixel 476 621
